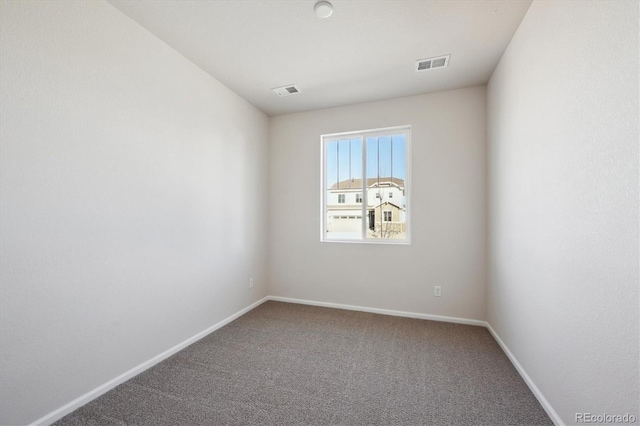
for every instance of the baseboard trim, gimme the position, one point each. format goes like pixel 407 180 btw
pixel 405 314
pixel 532 386
pixel 91 395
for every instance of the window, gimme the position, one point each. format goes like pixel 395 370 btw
pixel 374 166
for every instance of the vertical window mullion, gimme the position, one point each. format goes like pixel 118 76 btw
pixel 338 164
pixel 365 203
pixel 391 174
pixel 325 187
pixel 350 176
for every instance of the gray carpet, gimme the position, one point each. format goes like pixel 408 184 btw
pixel 288 364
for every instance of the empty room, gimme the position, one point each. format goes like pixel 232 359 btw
pixel 309 212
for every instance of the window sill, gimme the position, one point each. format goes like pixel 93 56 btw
pixel 373 242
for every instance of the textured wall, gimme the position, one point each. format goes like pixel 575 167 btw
pixel 133 201
pixel 563 160
pixel 447 211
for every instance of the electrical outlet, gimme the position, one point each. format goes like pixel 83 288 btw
pixel 437 290
pixel 250 282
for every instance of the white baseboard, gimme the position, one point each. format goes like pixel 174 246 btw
pixel 91 395
pixel 381 311
pixel 532 386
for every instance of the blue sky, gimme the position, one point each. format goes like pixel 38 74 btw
pixel 344 158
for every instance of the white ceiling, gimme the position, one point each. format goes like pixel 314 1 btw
pixel 365 51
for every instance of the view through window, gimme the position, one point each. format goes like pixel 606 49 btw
pixel 366 186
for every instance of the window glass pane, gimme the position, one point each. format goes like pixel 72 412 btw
pixel 343 184
pixel 344 163
pixel 399 146
pixel 384 156
pixel 386 202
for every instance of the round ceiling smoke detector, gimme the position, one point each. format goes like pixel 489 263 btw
pixel 323 9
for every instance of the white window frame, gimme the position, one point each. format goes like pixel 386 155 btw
pixel 363 134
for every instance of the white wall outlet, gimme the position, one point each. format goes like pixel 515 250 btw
pixel 250 282
pixel 437 290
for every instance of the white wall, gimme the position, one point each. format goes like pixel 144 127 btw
pixel 448 210
pixel 563 160
pixel 119 238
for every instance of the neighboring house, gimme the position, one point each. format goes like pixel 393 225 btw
pixel 385 210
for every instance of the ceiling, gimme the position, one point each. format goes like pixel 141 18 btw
pixel 365 51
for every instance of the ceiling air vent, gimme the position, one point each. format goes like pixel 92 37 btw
pixel 286 90
pixel 432 63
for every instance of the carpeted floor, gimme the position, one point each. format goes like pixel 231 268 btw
pixel 288 364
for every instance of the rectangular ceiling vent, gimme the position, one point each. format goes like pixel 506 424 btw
pixel 287 90
pixel 432 63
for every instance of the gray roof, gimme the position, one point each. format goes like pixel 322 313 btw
pixel 357 183
pixel 386 203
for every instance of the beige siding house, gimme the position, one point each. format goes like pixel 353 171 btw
pixel 385 215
